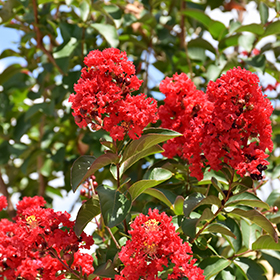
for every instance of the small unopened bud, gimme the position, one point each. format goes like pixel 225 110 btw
pixel 127 81
pixel 82 192
pixel 275 209
pixel 67 257
pixel 78 119
pixel 250 107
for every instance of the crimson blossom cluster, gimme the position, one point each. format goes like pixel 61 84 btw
pixel 103 96
pixel 230 123
pixel 155 245
pixel 41 243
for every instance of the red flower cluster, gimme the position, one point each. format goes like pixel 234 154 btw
pixel 155 245
pixel 186 110
pixel 103 99
pixel 229 124
pixel 38 244
pixel 3 202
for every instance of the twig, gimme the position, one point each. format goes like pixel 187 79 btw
pixel 113 237
pixel 4 190
pixel 183 42
pixel 39 38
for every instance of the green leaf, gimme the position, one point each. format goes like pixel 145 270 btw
pixel 114 205
pixel 226 274
pixel 134 158
pixel 208 175
pixel 85 166
pixel 66 49
pixel 159 174
pixel 263 12
pixel 165 196
pixel 274 195
pixel 148 140
pixel 265 242
pixel 213 72
pixel 258 62
pixel 207 215
pixel 217 29
pixel 191 202
pixel 178 205
pixel 250 269
pixel 189 227
pixel 250 233
pixel 273 258
pixel 272 29
pixel 87 212
pixel 230 41
pixel 220 228
pixel 109 32
pixel 201 43
pixel 213 265
pixel 246 41
pixel 235 243
pixel 84 10
pixel 247 199
pixel 9 72
pixel 246 182
pixel 105 270
pixel 257 218
pixel 253 28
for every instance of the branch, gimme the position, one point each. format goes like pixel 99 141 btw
pixel 4 190
pixel 40 162
pixel 183 43
pixel 39 38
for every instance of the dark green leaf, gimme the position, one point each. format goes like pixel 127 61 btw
pixel 114 205
pixel 258 62
pixel 104 270
pixel 9 72
pixel 189 227
pixel 235 243
pixel 251 269
pixel 213 265
pixel 87 212
pixel 191 202
pixel 273 258
pixel 85 166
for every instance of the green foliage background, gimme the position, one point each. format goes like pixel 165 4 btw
pixel 161 37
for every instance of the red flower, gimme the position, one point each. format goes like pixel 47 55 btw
pixel 240 129
pixel 154 244
pixel 3 202
pixel 29 245
pixel 186 110
pixel 103 100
